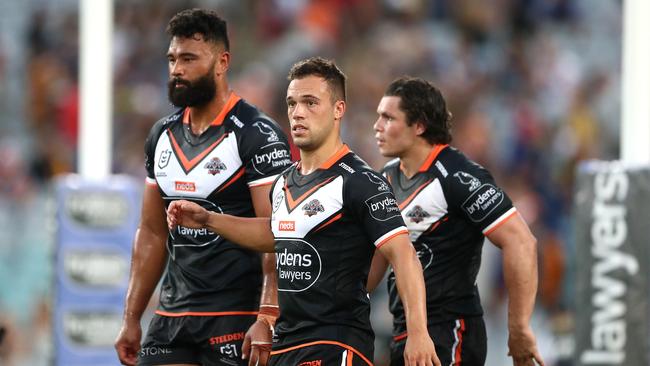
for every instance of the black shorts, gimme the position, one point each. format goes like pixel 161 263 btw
pixel 320 353
pixel 461 342
pixel 198 340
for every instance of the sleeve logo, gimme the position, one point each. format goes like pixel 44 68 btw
pixel 271 135
pixel 468 180
pixel 215 166
pixel 373 178
pixel 482 202
pixel 382 206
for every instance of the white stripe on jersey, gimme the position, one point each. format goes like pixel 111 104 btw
pixel 379 241
pixel 199 182
pixel 344 357
pixel 297 223
pixel 501 219
pixel 453 348
pixel 432 201
pixel 262 181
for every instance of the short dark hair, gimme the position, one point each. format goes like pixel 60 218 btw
pixel 208 23
pixel 327 69
pixel 423 102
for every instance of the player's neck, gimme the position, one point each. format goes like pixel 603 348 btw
pixel 314 159
pixel 414 158
pixel 202 117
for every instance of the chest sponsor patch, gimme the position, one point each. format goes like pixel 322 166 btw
pixel 298 265
pixel 382 206
pixel 482 202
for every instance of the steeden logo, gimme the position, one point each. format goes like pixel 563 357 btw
pixel 287 226
pixel 185 186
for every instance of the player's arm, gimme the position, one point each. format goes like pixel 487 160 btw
pixel 257 342
pixel 410 284
pixel 147 264
pixel 519 248
pixel 249 232
pixel 377 271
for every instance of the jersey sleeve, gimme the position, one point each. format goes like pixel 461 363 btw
pixel 264 152
pixel 473 193
pixel 370 198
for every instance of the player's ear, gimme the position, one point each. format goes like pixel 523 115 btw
pixel 222 62
pixel 339 109
pixel 420 128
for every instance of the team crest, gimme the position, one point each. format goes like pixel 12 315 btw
pixel 164 159
pixel 468 180
pixel 313 207
pixel 417 214
pixel 215 166
pixel 373 178
pixel 266 130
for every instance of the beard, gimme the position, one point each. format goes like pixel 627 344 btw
pixel 192 93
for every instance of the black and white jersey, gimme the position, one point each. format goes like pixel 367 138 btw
pixel 448 207
pixel 242 148
pixel 327 225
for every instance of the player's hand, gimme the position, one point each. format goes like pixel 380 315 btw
pixel 187 214
pixel 257 343
pixel 127 343
pixel 523 347
pixel 420 351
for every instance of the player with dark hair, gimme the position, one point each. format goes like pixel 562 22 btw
pixel 449 205
pixel 330 213
pixel 222 153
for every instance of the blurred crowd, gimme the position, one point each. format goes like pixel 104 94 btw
pixel 533 85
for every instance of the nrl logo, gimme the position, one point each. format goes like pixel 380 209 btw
pixel 313 207
pixel 417 214
pixel 468 180
pixel 215 166
pixel 164 159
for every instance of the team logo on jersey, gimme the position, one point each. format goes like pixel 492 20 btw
pixel 313 207
pixel 277 200
pixel 468 180
pixel 373 178
pixel 271 135
pixel 163 160
pixel 215 166
pixel 417 214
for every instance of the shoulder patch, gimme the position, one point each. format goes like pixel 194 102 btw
pixel 373 178
pixel 265 129
pixel 468 180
